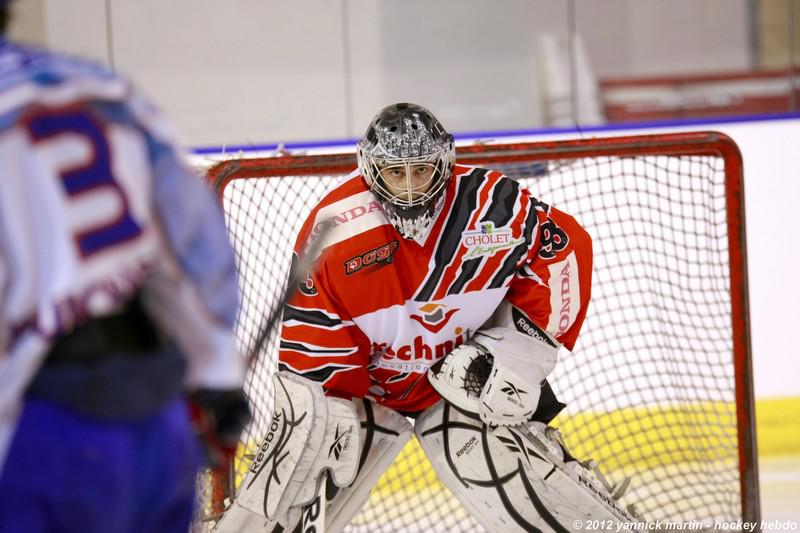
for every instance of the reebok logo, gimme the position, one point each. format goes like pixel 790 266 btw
pixel 261 455
pixel 467 447
pixel 529 328
pixel 340 441
pixel 510 390
pixel 311 513
pixel 606 498
pixel 518 446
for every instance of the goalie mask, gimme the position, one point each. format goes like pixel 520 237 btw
pixel 406 158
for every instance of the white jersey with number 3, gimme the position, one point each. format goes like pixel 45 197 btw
pixel 96 204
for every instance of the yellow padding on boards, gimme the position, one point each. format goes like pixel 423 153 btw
pixel 778 426
pixel 634 439
pixel 639 438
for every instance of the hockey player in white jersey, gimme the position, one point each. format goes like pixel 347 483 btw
pixel 117 301
pixel 443 293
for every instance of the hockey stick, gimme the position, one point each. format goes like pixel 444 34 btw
pixel 225 475
pixel 304 265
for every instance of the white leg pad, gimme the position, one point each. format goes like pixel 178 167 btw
pixel 384 433
pixel 237 518
pixel 309 434
pixel 512 478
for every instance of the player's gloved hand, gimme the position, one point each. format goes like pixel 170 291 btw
pixel 497 374
pixel 219 417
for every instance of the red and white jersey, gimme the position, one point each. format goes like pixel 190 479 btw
pixel 379 310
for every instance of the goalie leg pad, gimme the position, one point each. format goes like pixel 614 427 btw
pixel 382 435
pixel 237 519
pixel 513 478
pixel 308 434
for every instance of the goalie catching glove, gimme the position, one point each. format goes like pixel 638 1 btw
pixel 498 374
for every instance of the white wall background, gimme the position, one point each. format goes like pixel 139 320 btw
pixel 772 210
pixel 263 71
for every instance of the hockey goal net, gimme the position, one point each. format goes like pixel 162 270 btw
pixel 659 385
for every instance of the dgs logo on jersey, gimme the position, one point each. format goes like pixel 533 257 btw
pixel 552 240
pixel 434 316
pixel 376 258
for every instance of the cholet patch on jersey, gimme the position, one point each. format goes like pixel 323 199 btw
pixel 487 240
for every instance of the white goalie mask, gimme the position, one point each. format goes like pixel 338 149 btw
pixel 406 158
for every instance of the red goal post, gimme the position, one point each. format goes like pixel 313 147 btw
pixel 660 383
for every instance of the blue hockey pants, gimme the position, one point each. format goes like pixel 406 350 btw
pixel 69 473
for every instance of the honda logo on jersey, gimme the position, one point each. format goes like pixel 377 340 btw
pixel 434 317
pixel 565 295
pixel 346 211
